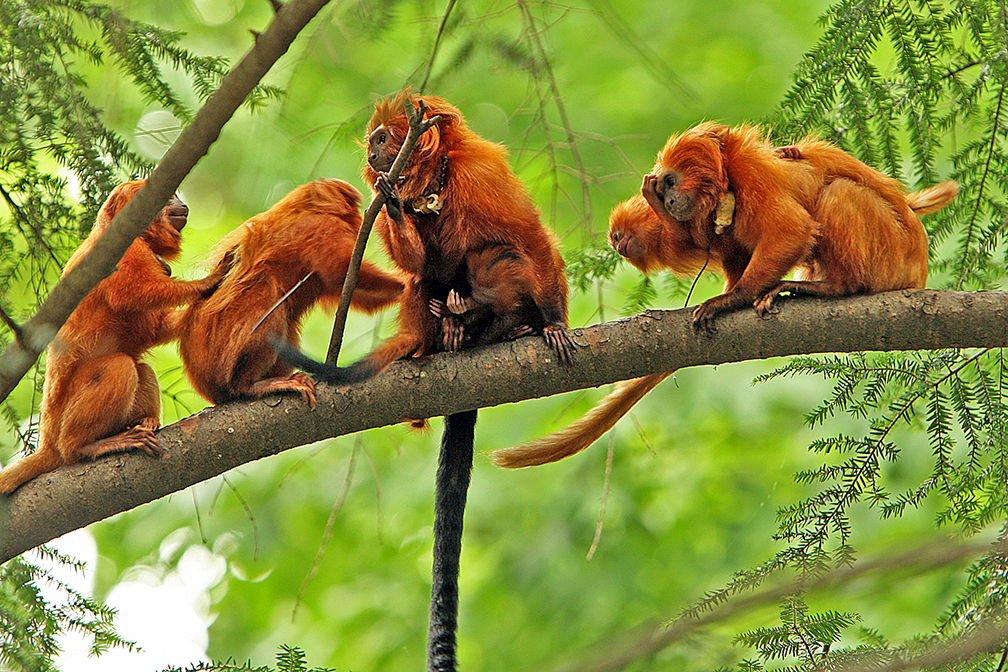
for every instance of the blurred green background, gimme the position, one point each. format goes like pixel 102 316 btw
pixel 700 467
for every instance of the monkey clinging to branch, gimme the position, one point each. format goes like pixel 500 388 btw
pixel 226 352
pixel 458 220
pixel 811 207
pixel 99 397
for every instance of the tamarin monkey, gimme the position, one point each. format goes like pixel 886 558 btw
pixel 491 301
pixel 311 230
pixel 458 198
pixel 844 227
pixel 99 396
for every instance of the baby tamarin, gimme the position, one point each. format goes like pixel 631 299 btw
pixel 490 301
pixel 99 396
pixel 844 227
pixel 311 230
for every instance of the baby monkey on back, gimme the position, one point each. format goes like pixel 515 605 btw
pixel 842 226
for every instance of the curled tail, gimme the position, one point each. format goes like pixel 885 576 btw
pixel 583 432
pixel 27 468
pixel 932 199
pixel 454 470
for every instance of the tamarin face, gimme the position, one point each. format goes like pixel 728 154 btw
pixel 679 202
pixel 633 227
pixel 177 213
pixel 382 150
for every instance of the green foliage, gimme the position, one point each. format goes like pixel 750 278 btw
pixel 55 142
pixel 914 88
pixel 289 659
pixel 29 624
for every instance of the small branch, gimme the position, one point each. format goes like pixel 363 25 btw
pixel 437 43
pixel 417 127
pixel 223 437
pixel 12 325
pixel 185 152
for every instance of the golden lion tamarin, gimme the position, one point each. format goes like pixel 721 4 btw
pixel 311 230
pixel 843 226
pixel 99 396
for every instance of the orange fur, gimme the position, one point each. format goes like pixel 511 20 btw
pixel 99 397
pixel 482 204
pixel 312 229
pixel 843 226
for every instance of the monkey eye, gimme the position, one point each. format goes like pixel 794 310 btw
pixel 382 138
pixel 615 236
pixel 669 180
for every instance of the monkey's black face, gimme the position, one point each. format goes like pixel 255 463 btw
pixel 381 150
pixel 177 213
pixel 679 203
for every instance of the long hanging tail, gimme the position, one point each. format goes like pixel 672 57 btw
pixel 27 468
pixel 454 469
pixel 932 199
pixel 583 432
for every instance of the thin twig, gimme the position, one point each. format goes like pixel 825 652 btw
pixel 417 126
pixel 280 301
pixel 437 43
pixel 327 533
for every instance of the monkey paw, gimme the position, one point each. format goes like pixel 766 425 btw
pixel 558 338
pixel 765 306
pixel 788 152
pixel 703 318
pixel 439 308
pixel 393 204
pixel 457 304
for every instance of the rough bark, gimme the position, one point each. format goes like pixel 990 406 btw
pixel 220 438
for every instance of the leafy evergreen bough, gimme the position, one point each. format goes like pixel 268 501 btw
pixel 940 113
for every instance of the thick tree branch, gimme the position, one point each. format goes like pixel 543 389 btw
pixel 220 438
pixel 187 150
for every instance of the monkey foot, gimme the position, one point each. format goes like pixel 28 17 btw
pixel 558 338
pixel 454 334
pixel 138 437
pixel 299 382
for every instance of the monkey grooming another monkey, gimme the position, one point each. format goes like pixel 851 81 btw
pixel 811 207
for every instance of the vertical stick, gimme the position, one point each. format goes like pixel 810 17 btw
pixel 417 126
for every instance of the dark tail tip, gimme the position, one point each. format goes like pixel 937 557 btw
pixel 334 375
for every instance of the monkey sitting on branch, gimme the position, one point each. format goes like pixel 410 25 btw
pixel 99 396
pixel 300 246
pixel 844 227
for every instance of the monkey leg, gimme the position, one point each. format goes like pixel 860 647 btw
pixel 258 372
pixel 103 400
